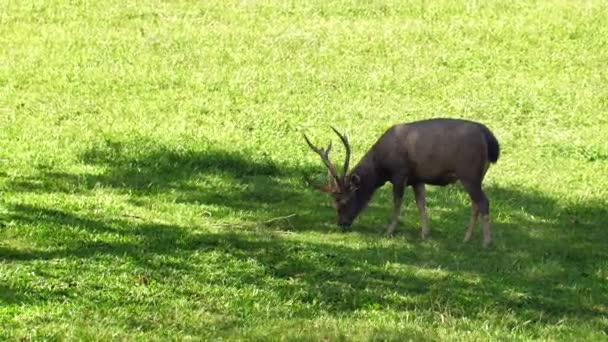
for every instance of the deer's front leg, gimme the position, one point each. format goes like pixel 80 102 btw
pixel 398 188
pixel 420 195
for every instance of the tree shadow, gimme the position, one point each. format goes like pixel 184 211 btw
pixel 252 184
pixel 338 278
pixel 10 295
pixel 548 262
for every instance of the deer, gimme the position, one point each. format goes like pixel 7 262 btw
pixel 437 151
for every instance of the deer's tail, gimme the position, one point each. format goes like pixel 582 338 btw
pixel 493 145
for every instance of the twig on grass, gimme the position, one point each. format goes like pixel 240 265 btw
pixel 132 216
pixel 256 224
pixel 278 218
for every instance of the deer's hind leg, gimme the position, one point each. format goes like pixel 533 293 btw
pixel 472 222
pixel 481 202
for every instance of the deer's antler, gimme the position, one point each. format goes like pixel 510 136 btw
pixel 324 154
pixel 344 139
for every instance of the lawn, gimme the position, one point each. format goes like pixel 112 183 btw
pixel 152 170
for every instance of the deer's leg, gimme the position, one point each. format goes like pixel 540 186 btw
pixel 420 195
pixel 483 205
pixel 487 238
pixel 472 222
pixel 398 189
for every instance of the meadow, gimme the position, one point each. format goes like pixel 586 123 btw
pixel 152 170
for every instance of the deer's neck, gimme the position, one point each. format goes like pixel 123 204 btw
pixel 370 178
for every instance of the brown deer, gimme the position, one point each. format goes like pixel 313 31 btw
pixel 434 151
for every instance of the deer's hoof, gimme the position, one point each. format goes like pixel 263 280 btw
pixel 425 234
pixel 390 232
pixel 345 228
pixel 487 244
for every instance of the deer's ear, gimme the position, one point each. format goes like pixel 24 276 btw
pixel 325 188
pixel 355 181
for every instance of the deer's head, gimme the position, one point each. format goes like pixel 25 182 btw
pixel 342 187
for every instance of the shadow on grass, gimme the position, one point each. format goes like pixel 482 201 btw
pixel 549 263
pixel 11 295
pixel 250 184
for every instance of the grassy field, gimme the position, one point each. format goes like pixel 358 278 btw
pixel 151 150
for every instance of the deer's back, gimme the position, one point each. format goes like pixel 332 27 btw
pixel 435 151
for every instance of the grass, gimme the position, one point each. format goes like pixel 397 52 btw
pixel 147 148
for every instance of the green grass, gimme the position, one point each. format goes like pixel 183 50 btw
pixel 147 146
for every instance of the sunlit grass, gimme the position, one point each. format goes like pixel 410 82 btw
pixel 152 170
